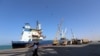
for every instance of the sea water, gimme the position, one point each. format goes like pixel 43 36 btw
pixel 3 47
pixel 44 42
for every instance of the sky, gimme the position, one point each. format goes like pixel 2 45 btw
pixel 82 16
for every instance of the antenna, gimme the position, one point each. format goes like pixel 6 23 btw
pixel 37 24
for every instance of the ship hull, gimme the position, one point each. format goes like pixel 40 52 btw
pixel 19 44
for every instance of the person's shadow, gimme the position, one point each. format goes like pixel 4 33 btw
pixel 29 52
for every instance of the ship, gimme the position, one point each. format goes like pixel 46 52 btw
pixel 28 35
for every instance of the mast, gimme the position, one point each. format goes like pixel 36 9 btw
pixel 38 25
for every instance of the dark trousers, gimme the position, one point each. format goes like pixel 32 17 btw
pixel 35 52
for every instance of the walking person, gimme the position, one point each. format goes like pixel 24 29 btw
pixel 35 49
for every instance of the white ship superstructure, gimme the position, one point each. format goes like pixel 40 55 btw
pixel 26 33
pixel 29 33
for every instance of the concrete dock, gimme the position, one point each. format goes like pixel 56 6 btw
pixel 92 49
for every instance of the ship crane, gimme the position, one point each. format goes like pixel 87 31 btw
pixel 63 40
pixel 58 33
pixel 75 40
pixel 56 41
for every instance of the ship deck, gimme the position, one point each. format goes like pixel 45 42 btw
pixel 92 49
